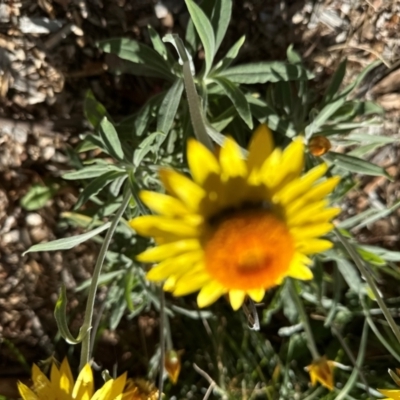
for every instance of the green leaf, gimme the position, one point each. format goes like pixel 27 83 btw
pixel 363 150
pixel 110 139
pixel 95 186
pixel 146 146
pixel 264 113
pixel 348 89
pixel 92 171
pixel 137 124
pixel 335 83
pixel 94 110
pixel 349 273
pixel 323 116
pixel 221 15
pixel 380 139
pixel 91 142
pixel 370 107
pixel 60 314
pixel 116 185
pixel 377 215
pixel 137 53
pixel 229 57
pixel 158 44
pixel 263 72
pixel 67 243
pixel 169 107
pixel 292 56
pixel 354 164
pixel 238 99
pixel 224 119
pixel 349 223
pixel 370 257
pixel 103 279
pixel 386 255
pixel 37 197
pixel 143 70
pixel 205 31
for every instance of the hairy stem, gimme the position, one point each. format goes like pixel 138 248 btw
pixel 87 323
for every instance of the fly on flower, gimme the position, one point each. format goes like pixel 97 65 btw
pixel 239 227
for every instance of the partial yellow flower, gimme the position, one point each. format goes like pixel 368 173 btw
pixel 61 385
pixel 140 389
pixel 392 394
pixel 321 371
pixel 240 226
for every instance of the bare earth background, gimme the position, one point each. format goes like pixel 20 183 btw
pixel 48 60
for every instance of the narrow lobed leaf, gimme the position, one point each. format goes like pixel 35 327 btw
pixel 67 243
pixel 205 31
pixel 110 139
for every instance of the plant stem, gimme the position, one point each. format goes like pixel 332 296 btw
pixel 87 323
pixel 367 276
pixel 162 345
pixel 304 320
pixel 195 110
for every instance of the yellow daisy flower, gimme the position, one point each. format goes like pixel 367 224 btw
pixel 240 226
pixel 321 371
pixel 61 385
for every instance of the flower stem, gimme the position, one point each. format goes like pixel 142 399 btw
pixel 195 110
pixel 304 320
pixel 367 276
pixel 162 345
pixel 87 323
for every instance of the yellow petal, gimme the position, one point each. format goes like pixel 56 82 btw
pixel 311 231
pixel 104 392
pixel 202 162
pixel 41 384
pixel 301 272
pixel 163 204
pixel 299 267
pixel 321 371
pixel 325 215
pixel 210 293
pixel 67 380
pixel 169 284
pixel 117 387
pixel 269 170
pixel 256 294
pixel 323 189
pixel 55 376
pixel 311 246
pixel 182 187
pixel 293 157
pixel 152 225
pixel 168 250
pixel 192 281
pixel 298 187
pixel 175 266
pixel 288 167
pixel 236 298
pixel 301 216
pixel 26 393
pixel 84 387
pixel 392 394
pixel 260 148
pixel 231 160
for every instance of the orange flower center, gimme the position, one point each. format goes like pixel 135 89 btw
pixel 249 249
